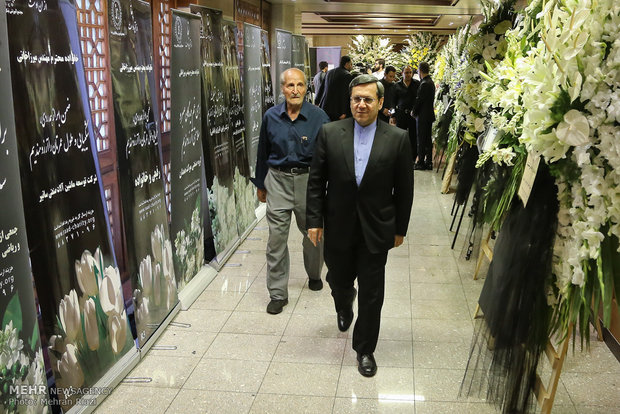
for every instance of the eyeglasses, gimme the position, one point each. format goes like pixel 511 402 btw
pixel 359 99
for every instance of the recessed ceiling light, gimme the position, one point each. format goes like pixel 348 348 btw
pixel 450 24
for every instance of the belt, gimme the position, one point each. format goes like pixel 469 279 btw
pixel 293 170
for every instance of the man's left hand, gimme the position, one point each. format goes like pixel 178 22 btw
pixel 398 240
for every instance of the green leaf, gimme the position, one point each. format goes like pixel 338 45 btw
pixel 13 312
pixel 34 338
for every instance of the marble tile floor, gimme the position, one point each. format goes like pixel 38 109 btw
pixel 235 358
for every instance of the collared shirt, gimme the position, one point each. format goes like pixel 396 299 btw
pixel 363 137
pixel 287 143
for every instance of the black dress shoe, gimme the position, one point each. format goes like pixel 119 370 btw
pixel 276 305
pixel 345 317
pixel 418 166
pixel 366 365
pixel 315 284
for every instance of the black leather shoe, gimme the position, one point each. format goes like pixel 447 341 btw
pixel 418 166
pixel 345 317
pixel 315 284
pixel 276 305
pixel 366 365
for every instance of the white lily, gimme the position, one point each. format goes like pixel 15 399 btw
pixel 85 273
pixel 69 314
pixel 90 324
pixel 70 369
pixel 117 331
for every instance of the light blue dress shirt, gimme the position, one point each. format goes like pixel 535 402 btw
pixel 363 138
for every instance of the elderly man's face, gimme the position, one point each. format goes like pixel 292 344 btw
pixel 294 87
pixel 365 103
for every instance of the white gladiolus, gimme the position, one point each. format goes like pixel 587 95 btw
pixel 69 314
pixel 90 325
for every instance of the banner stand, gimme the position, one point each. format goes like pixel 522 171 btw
pixel 160 329
pixel 196 286
pixel 88 403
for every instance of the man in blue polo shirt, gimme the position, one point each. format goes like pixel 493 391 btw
pixel 285 148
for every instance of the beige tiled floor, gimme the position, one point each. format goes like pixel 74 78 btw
pixel 235 358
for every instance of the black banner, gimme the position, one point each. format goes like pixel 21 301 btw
pixel 149 250
pixel 216 131
pixel 245 197
pixel 20 347
pixel 84 322
pixel 298 52
pixel 268 97
pixel 186 165
pixel 284 57
pixel 253 87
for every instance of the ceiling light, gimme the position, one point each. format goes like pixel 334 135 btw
pixel 450 24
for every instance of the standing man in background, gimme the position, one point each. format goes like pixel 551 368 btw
pixel 318 79
pixel 389 101
pixel 285 149
pixel 378 69
pixel 360 192
pixel 406 92
pixel 333 96
pixel 424 111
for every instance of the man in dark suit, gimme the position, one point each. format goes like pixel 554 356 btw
pixel 406 92
pixel 360 191
pixel 333 95
pixel 424 112
pixel 389 97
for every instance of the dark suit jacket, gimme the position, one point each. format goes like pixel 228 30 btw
pixel 424 106
pixel 333 95
pixel 382 203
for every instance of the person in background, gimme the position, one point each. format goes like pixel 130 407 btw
pixel 389 101
pixel 360 192
pixel 319 78
pixel 424 111
pixel 285 149
pixel 406 92
pixel 378 69
pixel 333 95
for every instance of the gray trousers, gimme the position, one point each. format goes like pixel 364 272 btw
pixel 286 193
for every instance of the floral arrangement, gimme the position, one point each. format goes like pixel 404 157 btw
pixel 367 49
pixel 189 247
pixel 422 47
pixel 572 118
pixel 556 93
pixel 157 284
pixel 18 368
pixel 92 325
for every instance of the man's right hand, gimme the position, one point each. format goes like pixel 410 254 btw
pixel 262 195
pixel 315 235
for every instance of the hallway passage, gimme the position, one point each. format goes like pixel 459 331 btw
pixel 235 358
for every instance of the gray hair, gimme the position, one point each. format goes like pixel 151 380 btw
pixel 365 79
pixel 283 76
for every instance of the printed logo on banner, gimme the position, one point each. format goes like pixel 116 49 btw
pixel 117 15
pixel 178 30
